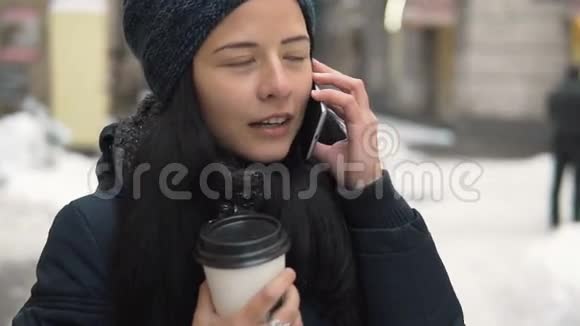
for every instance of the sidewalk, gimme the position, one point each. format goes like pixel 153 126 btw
pixel 488 138
pixel 16 278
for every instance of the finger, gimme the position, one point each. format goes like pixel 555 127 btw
pixel 326 153
pixel 290 310
pixel 205 309
pixel 299 321
pixel 322 152
pixel 330 155
pixel 326 78
pixel 347 102
pixel 336 109
pixel 346 84
pixel 354 85
pixel 261 304
pixel 318 66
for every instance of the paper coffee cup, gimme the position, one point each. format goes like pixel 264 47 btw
pixel 240 255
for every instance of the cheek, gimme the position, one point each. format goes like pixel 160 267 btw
pixel 218 111
pixel 225 119
pixel 222 118
pixel 222 102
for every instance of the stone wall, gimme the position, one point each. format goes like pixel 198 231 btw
pixel 510 54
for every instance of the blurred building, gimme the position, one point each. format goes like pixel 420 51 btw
pixel 69 55
pixel 492 59
pixel 80 65
pixel 23 57
pixel 451 59
pixel 456 59
pixel 421 58
pixel 510 55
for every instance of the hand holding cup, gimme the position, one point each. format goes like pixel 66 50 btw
pixel 258 311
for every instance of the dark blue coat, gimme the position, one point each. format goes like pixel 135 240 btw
pixel 403 278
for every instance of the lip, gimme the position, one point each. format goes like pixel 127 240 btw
pixel 273 132
pixel 287 116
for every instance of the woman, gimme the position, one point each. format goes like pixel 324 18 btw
pixel 218 71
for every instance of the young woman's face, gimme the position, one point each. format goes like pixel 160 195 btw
pixel 255 65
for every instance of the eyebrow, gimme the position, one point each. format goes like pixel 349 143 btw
pixel 245 45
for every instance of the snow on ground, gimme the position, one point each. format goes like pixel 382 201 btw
pixel 500 255
pixel 412 132
pixel 489 219
pixel 37 178
pixel 31 197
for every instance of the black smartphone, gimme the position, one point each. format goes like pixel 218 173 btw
pixel 319 117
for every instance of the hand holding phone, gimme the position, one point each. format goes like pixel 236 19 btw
pixel 350 95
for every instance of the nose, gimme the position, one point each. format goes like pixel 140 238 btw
pixel 274 81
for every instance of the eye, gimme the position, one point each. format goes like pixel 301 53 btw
pixel 295 58
pixel 240 63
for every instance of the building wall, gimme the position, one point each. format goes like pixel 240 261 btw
pixel 80 69
pixel 125 79
pixel 510 54
pixel 38 71
pixel 421 60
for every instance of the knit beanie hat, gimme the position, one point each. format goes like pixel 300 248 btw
pixel 165 35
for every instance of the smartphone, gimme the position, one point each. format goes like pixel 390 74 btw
pixel 315 121
pixel 312 125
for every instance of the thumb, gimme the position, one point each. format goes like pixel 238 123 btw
pixel 330 153
pixel 323 153
pixel 205 309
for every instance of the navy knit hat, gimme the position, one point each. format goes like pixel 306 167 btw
pixel 165 35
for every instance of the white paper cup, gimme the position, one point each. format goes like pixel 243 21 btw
pixel 240 255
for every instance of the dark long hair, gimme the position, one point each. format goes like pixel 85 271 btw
pixel 154 276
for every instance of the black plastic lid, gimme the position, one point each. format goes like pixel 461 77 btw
pixel 241 241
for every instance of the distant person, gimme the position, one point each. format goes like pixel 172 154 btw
pixel 564 112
